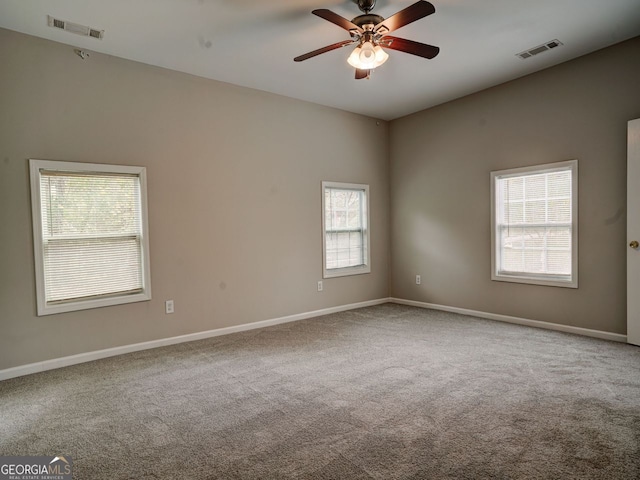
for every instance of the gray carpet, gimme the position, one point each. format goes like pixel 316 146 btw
pixel 386 392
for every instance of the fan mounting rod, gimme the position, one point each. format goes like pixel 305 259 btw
pixel 365 5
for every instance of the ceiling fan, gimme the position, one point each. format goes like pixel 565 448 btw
pixel 370 32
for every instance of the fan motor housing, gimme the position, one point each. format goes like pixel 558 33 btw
pixel 367 19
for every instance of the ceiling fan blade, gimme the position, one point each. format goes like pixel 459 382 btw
pixel 360 73
pixel 328 48
pixel 337 19
pixel 409 46
pixel 404 17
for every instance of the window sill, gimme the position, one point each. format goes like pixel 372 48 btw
pixel 536 280
pixel 88 304
pixel 347 271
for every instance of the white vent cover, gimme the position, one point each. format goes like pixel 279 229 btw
pixel 539 49
pixel 75 28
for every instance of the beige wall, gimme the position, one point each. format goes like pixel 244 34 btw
pixel 234 178
pixel 440 164
pixel 234 192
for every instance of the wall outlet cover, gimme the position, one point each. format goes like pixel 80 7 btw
pixel 168 306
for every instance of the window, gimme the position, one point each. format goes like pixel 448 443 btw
pixel 535 224
pixel 345 226
pixel 90 235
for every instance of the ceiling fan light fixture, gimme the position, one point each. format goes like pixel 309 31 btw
pixel 367 56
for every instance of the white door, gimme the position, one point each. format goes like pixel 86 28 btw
pixel 633 233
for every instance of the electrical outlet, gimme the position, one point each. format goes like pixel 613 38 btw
pixel 320 285
pixel 418 280
pixel 168 306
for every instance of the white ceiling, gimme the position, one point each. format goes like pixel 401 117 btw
pixel 253 42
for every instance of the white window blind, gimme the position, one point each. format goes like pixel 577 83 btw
pixel 535 224
pixel 92 235
pixel 345 229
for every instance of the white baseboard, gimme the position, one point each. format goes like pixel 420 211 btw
pixel 111 352
pixel 616 337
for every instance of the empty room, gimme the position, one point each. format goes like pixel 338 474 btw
pixel 339 239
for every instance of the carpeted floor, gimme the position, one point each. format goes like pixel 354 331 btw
pixel 386 392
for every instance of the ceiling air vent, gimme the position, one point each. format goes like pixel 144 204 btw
pixel 539 49
pixel 75 28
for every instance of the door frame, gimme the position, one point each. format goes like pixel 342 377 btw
pixel 633 231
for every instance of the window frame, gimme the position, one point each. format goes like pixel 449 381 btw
pixel 366 232
pixel 570 281
pixel 43 308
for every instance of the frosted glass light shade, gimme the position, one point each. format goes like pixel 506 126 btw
pixel 367 56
